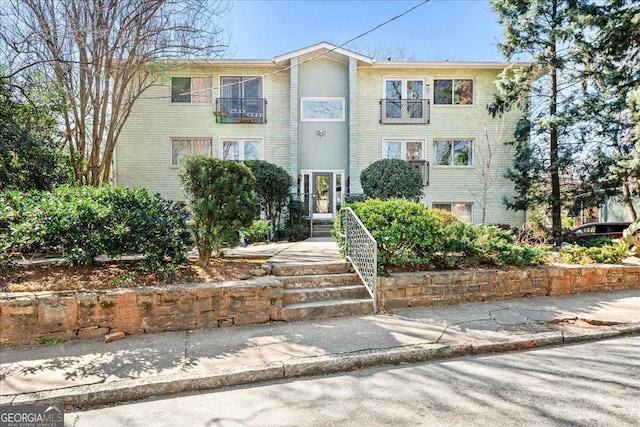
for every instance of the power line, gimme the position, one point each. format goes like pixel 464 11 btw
pixel 306 60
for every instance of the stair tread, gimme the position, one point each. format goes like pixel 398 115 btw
pixel 323 288
pixel 327 303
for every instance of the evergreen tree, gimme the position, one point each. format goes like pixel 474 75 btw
pixel 539 31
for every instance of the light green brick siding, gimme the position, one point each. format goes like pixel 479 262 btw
pixel 143 152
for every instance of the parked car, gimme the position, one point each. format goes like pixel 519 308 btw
pixel 593 230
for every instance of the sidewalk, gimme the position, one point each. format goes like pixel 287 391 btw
pixel 86 373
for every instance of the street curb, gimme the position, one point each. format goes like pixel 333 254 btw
pixel 135 389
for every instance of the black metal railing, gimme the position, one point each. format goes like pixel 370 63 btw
pixel 241 110
pixel 404 111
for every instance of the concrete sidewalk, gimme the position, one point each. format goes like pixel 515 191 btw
pixel 86 373
pixel 313 250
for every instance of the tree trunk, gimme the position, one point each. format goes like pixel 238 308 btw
pixel 556 204
pixel 627 199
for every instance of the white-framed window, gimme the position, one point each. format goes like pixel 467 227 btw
pixel 412 149
pixel 463 211
pixel 453 91
pixel 183 147
pixel 241 149
pixel 322 109
pixel 404 98
pixel 453 152
pixel 194 90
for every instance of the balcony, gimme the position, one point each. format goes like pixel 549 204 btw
pixel 404 111
pixel 241 110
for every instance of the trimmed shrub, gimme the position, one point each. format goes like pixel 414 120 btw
pixel 407 232
pixel 273 188
pixel 258 231
pixel 445 217
pixel 607 254
pixel 222 201
pixel 472 245
pixel 392 178
pixel 84 222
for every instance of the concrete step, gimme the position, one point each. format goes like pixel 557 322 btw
pixel 345 292
pixel 311 268
pixel 326 309
pixel 318 281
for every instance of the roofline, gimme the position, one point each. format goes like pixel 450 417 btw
pixel 323 45
pixel 447 64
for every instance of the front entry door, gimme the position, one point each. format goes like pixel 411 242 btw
pixel 322 195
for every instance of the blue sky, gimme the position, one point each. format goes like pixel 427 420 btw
pixel 455 30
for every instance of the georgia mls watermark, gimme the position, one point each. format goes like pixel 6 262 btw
pixel 32 416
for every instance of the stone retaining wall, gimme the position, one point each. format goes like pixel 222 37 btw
pixel 26 318
pixel 437 288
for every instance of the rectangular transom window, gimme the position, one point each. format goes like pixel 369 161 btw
pixel 195 90
pixel 453 152
pixel 183 147
pixel 453 91
pixel 241 149
pixel 461 210
pixel 322 109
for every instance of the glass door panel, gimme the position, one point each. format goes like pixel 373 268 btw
pixel 322 193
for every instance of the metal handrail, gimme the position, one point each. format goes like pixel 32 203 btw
pixel 361 251
pixel 404 111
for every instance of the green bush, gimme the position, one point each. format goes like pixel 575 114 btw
pixel 474 244
pixel 222 201
pixel 392 178
pixel 445 217
pixel 84 222
pixel 407 232
pixel 273 188
pixel 258 231
pixel 607 254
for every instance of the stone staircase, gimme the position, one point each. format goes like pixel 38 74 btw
pixel 322 227
pixel 321 290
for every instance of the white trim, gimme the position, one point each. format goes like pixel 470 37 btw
pixel 221 140
pixel 323 46
pixel 425 80
pixel 334 173
pixel 320 99
pixel 403 149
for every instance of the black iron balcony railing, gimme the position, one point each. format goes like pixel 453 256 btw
pixel 404 111
pixel 241 110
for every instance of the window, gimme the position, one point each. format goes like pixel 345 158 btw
pixel 453 91
pixel 404 99
pixel 404 150
pixel 241 149
pixel 453 152
pixel 195 90
pixel 241 100
pixel 411 151
pixel 183 147
pixel 323 109
pixel 461 210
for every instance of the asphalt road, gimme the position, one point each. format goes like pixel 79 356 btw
pixel 592 384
